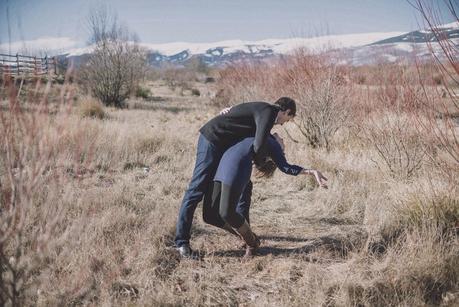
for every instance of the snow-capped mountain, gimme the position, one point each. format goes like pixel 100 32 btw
pixel 227 51
pixel 355 49
pixel 233 50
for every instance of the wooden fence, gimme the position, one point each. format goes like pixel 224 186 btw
pixel 23 65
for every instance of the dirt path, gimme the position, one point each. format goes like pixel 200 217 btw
pixel 302 236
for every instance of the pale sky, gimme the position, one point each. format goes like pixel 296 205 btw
pixel 163 21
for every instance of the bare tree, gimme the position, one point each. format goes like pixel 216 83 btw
pixel 117 63
pixel 440 118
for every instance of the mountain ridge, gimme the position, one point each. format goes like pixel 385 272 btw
pixel 358 49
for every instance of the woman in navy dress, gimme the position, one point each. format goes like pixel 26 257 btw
pixel 233 174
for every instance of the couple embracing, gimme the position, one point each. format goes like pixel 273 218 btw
pixel 227 146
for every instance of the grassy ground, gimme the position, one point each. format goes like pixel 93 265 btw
pixel 353 244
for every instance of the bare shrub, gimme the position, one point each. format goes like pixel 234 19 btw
pixel 320 87
pixel 113 71
pixel 248 82
pixel 400 149
pixel 388 122
pixel 178 77
pixel 323 98
pixel 33 181
pixel 117 63
pixel 398 88
pixel 198 65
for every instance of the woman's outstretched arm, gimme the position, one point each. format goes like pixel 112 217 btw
pixel 278 156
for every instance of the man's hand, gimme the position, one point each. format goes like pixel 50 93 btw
pixel 320 179
pixel 225 111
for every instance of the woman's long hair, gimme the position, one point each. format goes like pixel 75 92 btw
pixel 266 170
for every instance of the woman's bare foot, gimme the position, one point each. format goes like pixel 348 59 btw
pixel 249 253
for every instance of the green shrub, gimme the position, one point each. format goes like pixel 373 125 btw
pixel 195 92
pixel 441 211
pixel 142 92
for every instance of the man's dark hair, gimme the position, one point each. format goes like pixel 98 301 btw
pixel 286 103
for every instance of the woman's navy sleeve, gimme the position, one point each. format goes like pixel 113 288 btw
pixel 279 158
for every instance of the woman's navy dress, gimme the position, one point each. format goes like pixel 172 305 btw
pixel 235 166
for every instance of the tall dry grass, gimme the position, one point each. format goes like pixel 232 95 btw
pixel 34 180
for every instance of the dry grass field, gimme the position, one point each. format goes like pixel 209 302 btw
pixel 98 211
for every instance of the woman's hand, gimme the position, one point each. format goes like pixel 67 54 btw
pixel 320 179
pixel 225 111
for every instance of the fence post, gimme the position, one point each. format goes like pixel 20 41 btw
pixel 55 65
pixel 6 68
pixel 46 64
pixel 17 63
pixel 35 67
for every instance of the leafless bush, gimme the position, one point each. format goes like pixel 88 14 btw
pixel 33 178
pixel 400 149
pixel 323 93
pixel 389 122
pixel 247 82
pixel 398 87
pixel 198 65
pixel 177 77
pixel 321 88
pixel 117 63
pixel 113 71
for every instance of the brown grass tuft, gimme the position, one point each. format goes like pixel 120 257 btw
pixel 91 108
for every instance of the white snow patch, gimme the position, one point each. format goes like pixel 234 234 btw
pixel 80 51
pixel 390 57
pixel 408 47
